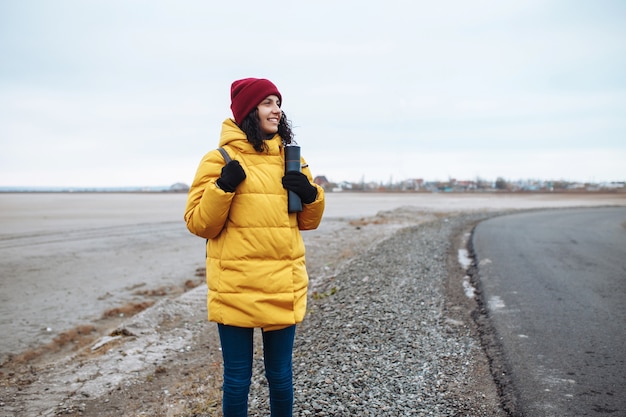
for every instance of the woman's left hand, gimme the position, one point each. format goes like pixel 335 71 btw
pixel 299 183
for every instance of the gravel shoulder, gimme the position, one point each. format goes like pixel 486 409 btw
pixel 389 332
pixel 394 336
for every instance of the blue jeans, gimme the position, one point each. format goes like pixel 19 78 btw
pixel 237 352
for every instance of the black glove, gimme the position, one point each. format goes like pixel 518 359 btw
pixel 299 183
pixel 232 175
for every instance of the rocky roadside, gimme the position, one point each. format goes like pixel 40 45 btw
pixel 394 336
pixel 389 333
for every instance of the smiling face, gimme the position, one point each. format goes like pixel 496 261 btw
pixel 269 114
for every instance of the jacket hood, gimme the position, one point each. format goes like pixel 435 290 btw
pixel 233 136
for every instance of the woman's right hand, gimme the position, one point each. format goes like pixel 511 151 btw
pixel 232 175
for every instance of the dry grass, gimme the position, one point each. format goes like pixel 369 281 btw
pixel 169 290
pixel 364 222
pixel 203 394
pixel 195 392
pixel 75 336
pixel 156 292
pixel 316 295
pixel 74 339
pixel 191 284
pixel 126 310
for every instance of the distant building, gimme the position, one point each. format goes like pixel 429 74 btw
pixel 412 184
pixel 321 180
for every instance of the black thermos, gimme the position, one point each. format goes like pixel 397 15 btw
pixel 292 163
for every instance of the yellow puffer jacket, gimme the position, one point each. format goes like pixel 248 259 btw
pixel 255 264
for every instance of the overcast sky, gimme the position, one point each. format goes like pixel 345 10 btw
pixel 127 93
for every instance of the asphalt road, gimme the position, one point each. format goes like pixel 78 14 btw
pixel 555 286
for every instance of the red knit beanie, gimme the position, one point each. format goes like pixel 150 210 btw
pixel 247 93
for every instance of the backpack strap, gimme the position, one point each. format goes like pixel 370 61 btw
pixel 225 154
pixel 227 158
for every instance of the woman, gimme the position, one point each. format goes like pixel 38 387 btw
pixel 255 262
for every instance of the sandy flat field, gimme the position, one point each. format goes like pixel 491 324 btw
pixel 67 258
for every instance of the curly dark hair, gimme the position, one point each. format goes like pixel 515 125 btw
pixel 252 128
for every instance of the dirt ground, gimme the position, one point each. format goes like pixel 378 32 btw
pixel 159 357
